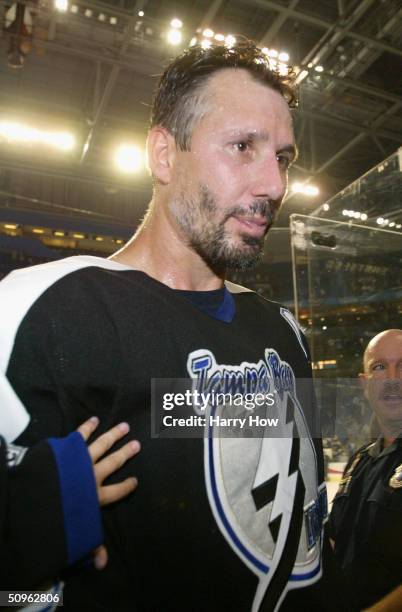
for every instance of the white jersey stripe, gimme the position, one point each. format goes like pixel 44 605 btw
pixel 18 292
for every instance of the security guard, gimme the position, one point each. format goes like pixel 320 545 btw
pixel 366 519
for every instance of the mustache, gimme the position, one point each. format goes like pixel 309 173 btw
pixel 391 387
pixel 263 208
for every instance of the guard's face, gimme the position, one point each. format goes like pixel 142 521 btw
pixel 228 188
pixel 383 379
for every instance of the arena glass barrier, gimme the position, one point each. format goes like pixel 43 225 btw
pixel 347 282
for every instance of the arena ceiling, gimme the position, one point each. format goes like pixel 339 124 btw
pixel 91 71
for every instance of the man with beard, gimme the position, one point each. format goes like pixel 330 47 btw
pixel 366 516
pixel 217 523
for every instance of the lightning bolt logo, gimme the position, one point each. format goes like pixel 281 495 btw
pixel 278 480
pixel 262 488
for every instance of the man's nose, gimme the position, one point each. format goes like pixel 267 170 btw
pixel 270 180
pixel 394 371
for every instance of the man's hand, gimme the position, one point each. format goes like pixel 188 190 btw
pixel 103 468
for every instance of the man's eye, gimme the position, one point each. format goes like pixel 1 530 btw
pixel 242 146
pixel 378 366
pixel 283 161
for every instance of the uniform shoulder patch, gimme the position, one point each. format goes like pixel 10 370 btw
pixel 395 482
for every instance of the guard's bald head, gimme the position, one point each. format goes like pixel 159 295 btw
pixel 381 343
pixel 382 381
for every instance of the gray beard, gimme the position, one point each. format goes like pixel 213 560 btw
pixel 196 218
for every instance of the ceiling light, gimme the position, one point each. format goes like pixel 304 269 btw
pixel 61 5
pixel 385 222
pixel 273 53
pixel 176 23
pixel 206 43
pixel 363 217
pixel 351 213
pixel 10 226
pixel 102 17
pixel 99 239
pixel 230 40
pixel 301 76
pixel 208 33
pixel 326 207
pixel 265 50
pixel 17 132
pixel 88 13
pixel 63 141
pixel 398 226
pixel 174 36
pixel 319 69
pixel 113 20
pixel 219 37
pixel 193 41
pixel 38 230
pixel 311 190
pixel 129 158
pixel 380 220
pixel 392 224
pixel 74 8
pixel 283 57
pixel 59 233
pixel 141 13
pixel 79 236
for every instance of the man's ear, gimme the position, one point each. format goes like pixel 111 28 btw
pixel 161 153
pixel 363 382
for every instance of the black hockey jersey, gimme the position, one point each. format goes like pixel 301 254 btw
pixel 218 523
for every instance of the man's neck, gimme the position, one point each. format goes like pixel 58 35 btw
pixel 160 252
pixel 390 433
pixel 388 441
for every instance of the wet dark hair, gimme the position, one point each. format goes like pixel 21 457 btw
pixel 180 96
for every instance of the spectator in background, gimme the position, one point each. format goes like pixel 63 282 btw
pixel 366 518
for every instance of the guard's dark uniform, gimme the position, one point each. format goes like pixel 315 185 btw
pixel 366 521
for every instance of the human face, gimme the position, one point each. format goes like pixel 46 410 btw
pixel 228 188
pixel 383 378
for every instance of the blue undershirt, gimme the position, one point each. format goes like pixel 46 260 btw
pixel 218 303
